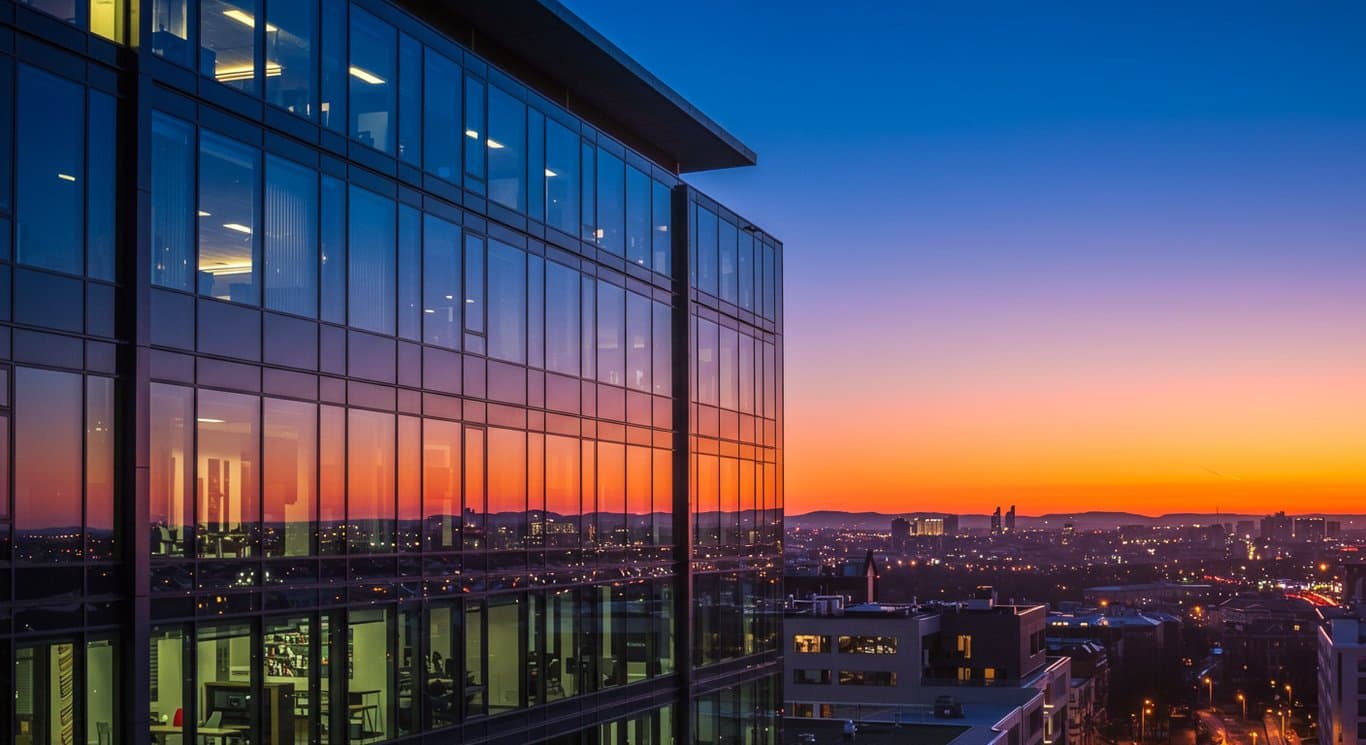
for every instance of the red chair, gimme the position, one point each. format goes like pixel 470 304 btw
pixel 179 719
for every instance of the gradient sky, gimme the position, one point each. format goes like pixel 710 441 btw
pixel 1061 256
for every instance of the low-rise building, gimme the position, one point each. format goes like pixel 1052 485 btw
pixel 1342 679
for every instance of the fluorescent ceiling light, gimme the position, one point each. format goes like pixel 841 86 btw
pixel 202 213
pixel 366 76
pixel 246 19
pixel 66 177
pixel 237 227
pixel 550 174
pixel 473 135
pixel 244 72
pixel 209 420
pixel 494 144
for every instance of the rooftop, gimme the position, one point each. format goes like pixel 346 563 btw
pixel 554 51
pixel 823 731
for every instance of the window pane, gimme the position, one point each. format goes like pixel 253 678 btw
pixel 561 319
pixel 409 100
pixel 48 670
pixel 227 36
pixel 370 481
pixel 370 635
pixel 47 467
pixel 441 283
pixel 661 234
pixel 611 203
pixel 588 213
pixel 561 491
pixel 101 186
pixel 291 62
pixel 611 334
pixel 637 341
pixel 441 135
pixel 99 468
pixel 663 350
pixel 706 242
pixel 228 467
pixel 562 177
pixel 474 128
pixel 475 688
pixel 172 443
pixel 373 53
pixel 535 287
pixel 730 285
pixel 409 272
pixel 506 649
pixel 708 380
pixel 507 303
pixel 507 150
pixel 637 217
pixel 227 219
pixel 589 330
pixel 409 530
pixel 333 249
pixel 291 242
pixel 535 164
pixel 173 180
pixel 291 480
pixel 332 479
pixel 287 649
pixel 170 30
pixel 746 271
pixel 225 660
pixel 506 488
pixel 371 296
pixel 101 702
pixel 6 146
pixel 441 484
pixel 475 504
pixel 474 283
pixel 51 178
pixel 443 650
pixel 728 368
pixel 335 78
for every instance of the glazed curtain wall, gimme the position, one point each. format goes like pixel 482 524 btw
pixel 388 670
pixel 358 75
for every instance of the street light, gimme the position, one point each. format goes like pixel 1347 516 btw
pixel 1243 700
pixel 1143 718
pixel 1210 682
pixel 1290 695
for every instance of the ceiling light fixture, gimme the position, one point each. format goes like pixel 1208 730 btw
pixel 470 133
pixel 246 19
pixel 550 174
pixel 240 228
pixel 494 144
pixel 366 76
pixel 66 177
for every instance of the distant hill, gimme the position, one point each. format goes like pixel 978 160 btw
pixel 1093 520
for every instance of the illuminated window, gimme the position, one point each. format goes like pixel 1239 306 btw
pixel 881 678
pixel 867 645
pixel 810 644
pixel 965 645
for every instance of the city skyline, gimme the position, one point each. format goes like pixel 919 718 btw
pixel 1078 259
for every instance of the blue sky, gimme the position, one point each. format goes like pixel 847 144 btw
pixel 974 192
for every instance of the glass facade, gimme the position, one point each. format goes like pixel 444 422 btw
pixel 351 392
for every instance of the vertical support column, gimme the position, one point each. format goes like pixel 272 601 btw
pixel 133 425
pixel 682 476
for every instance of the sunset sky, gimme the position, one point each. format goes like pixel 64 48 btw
pixel 1069 258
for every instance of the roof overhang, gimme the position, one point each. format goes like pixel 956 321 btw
pixel 554 51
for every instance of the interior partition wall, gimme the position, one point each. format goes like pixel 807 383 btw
pixel 353 392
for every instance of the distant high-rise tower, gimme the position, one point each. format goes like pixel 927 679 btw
pixel 1010 520
pixel 996 522
pixel 1278 527
pixel 901 531
pixel 950 525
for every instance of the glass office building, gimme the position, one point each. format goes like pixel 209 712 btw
pixel 367 374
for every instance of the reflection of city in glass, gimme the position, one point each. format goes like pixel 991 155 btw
pixel 352 389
